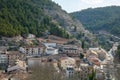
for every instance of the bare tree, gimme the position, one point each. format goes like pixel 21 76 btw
pixel 44 72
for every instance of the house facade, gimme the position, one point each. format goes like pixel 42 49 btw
pixel 32 51
pixel 70 71
pixel 51 48
pixel 13 56
pixel 64 62
pixel 3 60
pixel 84 71
pixel 51 51
pixel 71 50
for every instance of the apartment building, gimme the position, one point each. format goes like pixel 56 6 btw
pixel 33 50
pixel 72 50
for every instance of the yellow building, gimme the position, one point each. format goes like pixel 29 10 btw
pixel 64 62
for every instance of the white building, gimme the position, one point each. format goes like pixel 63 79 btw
pixel 32 51
pixel 22 50
pixel 69 71
pixel 51 48
pixel 3 60
pixel 94 49
pixel 31 36
pixel 50 44
pixel 51 51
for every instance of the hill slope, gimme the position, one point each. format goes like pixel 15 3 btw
pixel 100 19
pixel 20 17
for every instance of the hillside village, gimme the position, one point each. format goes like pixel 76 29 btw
pixel 66 55
pixel 40 40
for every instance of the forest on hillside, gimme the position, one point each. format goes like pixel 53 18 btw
pixel 100 19
pixel 21 17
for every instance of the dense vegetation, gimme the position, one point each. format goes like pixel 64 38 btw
pixel 105 19
pixel 39 17
pixel 118 51
pixel 20 17
pixel 117 61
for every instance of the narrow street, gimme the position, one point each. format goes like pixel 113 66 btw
pixel 109 67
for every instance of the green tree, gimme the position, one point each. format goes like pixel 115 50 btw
pixel 19 17
pixel 92 75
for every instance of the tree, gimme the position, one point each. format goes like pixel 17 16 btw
pixel 44 72
pixel 83 44
pixel 92 75
pixel 19 17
